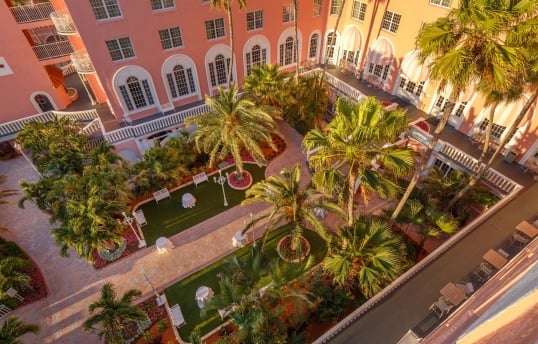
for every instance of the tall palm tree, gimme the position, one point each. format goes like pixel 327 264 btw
pixel 296 34
pixel 113 313
pixel 12 273
pixel 466 46
pixel 233 124
pixel 367 254
pixel 13 328
pixel 344 151
pixel 290 205
pixel 226 5
pixel 335 30
pixel 307 101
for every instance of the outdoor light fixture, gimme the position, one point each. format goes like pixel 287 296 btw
pixel 221 180
pixel 127 220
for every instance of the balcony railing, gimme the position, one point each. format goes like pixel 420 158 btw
pixel 32 13
pixel 63 22
pixel 52 50
pixel 81 62
pixel 10 129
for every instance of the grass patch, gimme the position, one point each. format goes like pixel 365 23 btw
pixel 183 292
pixel 168 217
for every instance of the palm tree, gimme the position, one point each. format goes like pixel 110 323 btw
pixel 267 84
pixel 227 6
pixel 289 204
pixel 113 313
pixel 233 124
pixel 344 151
pixel 12 273
pixel 13 328
pixel 469 46
pixel 296 34
pixel 366 253
pixel 307 100
pixel 340 10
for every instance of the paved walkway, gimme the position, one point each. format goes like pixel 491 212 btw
pixel 74 284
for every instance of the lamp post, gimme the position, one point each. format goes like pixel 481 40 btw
pixel 127 220
pixel 160 298
pixel 221 180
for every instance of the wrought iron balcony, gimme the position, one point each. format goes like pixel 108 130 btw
pixel 32 13
pixel 63 22
pixel 53 50
pixel 81 62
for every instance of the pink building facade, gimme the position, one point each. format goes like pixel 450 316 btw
pixel 149 58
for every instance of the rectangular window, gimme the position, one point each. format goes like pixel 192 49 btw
pixel 161 4
pixel 105 9
pixel 215 28
pixel 496 130
pixel 391 21
pixel 443 167
pixel 317 8
pixel 254 20
pixel 288 14
pixel 126 97
pixel 358 11
pixel 336 7
pixel 171 38
pixel 460 108
pixel 442 3
pixel 120 48
pixel 415 88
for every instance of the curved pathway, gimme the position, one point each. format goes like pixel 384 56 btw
pixel 74 284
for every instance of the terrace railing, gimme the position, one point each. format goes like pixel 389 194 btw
pixel 52 50
pixel 32 13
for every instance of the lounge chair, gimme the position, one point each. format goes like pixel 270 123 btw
pixel 441 307
pixel 176 316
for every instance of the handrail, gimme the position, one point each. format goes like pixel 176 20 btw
pixel 32 13
pixel 52 50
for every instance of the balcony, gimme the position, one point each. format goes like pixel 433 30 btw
pixel 32 13
pixel 82 62
pixel 53 50
pixel 63 23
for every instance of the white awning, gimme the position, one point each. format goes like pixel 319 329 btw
pixel 351 40
pixel 413 69
pixel 505 113
pixel 380 52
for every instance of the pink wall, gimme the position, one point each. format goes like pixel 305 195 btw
pixel 28 76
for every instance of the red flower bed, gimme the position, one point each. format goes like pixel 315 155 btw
pixel 132 246
pixel 240 183
pixel 37 289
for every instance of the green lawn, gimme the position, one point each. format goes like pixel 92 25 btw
pixel 183 292
pixel 168 217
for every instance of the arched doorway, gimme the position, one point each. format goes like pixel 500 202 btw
pixel 43 102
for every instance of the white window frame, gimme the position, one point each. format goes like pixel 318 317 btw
pixel 391 21
pixel 217 29
pixel 313 49
pixel 169 41
pixel 123 47
pixel 124 95
pixel 188 64
pixel 317 8
pixel 159 5
pixel 105 9
pixel 441 3
pixel 330 45
pixel 358 11
pixel 255 22
pixel 250 56
pixel 288 14
pixel 285 49
pixel 497 130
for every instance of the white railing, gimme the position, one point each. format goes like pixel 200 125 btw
pixel 81 62
pixel 153 126
pixel 9 129
pixel 497 180
pixel 63 23
pixel 52 50
pixel 32 13
pixel 68 69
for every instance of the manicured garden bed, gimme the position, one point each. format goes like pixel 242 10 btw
pixel 183 292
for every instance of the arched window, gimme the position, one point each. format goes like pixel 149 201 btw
pixel 287 52
pixel 313 49
pixel 181 81
pixel 218 70
pixel 331 42
pixel 136 93
pixel 256 57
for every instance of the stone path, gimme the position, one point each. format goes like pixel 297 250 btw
pixel 74 284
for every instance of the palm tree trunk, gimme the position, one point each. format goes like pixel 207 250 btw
pixel 424 159
pixel 296 43
pixel 487 139
pixel 334 35
pixel 503 142
pixel 351 198
pixel 231 66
